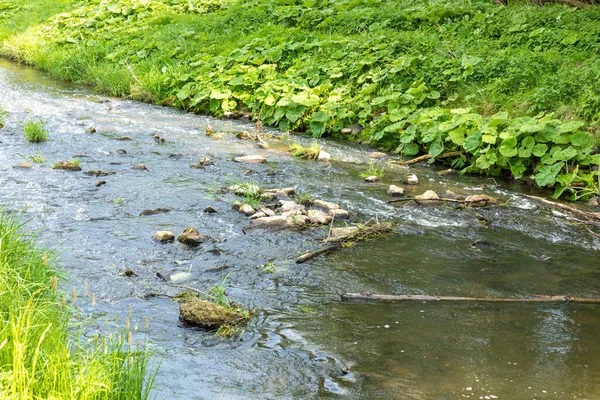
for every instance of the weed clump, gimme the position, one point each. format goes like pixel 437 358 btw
pixel 35 131
pixel 310 153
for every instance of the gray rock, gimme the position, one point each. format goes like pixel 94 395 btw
pixel 252 159
pixel 411 179
pixel 339 213
pixel 324 156
pixel 67 166
pixel 428 195
pixel 377 155
pixel 394 190
pixel 371 178
pixel 141 167
pixel 191 237
pixel 164 236
pixel 318 217
pixel 352 129
pixel 276 221
pixel 210 210
pixel 479 200
pixel 326 205
pixel 206 314
pixel 246 209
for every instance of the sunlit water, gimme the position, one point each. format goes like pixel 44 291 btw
pixel 303 335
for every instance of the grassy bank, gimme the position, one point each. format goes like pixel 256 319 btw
pixel 514 88
pixel 40 358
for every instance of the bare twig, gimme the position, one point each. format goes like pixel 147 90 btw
pixel 426 157
pixel 534 299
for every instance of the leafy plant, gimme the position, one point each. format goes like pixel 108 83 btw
pixel 35 131
pixel 37 158
pixel 375 169
pixel 310 153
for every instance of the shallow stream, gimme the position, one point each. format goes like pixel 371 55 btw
pixel 303 336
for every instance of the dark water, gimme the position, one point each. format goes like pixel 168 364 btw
pixel 303 335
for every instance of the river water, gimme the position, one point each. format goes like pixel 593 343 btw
pixel 302 335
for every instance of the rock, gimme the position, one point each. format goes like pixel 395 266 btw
pixel 479 200
pixel 243 190
pixel 377 155
pixel 289 207
pixel 98 173
pixel 191 237
pixel 141 167
pixel 449 194
pixel 158 139
pixel 339 213
pixel 319 217
pixel 342 232
pixel 593 201
pixel 205 161
pixel 236 205
pixel 210 210
pixel 91 129
pixel 371 178
pixel 411 179
pixel 246 209
pixel 263 145
pixel 394 190
pixel 123 138
pixel 244 135
pixel 428 195
pixel 100 183
pixel 276 221
pixel 258 214
pixel 159 210
pixel 268 196
pixel 298 219
pixel 252 159
pixel 324 156
pixel 164 236
pixel 326 205
pixel 67 166
pixel 205 314
pixel 24 165
pixel 352 129
pixel 180 277
pixel 268 212
pixel 121 151
pixel 447 172
pixel 282 192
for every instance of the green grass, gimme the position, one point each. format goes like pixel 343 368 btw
pixel 37 158
pixel 3 115
pixel 375 169
pixel 402 69
pixel 39 356
pixel 310 153
pixel 35 131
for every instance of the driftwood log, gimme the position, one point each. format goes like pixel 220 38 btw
pixel 592 218
pixel 312 254
pixel 533 299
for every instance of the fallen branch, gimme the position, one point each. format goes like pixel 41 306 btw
pixel 357 233
pixel 589 217
pixel 312 254
pixel 429 156
pixel 534 299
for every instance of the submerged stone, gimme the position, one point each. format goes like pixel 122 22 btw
pixel 479 200
pixel 339 213
pixel 191 237
pixel 324 156
pixel 164 236
pixel 372 178
pixel 24 165
pixel 67 166
pixel 252 159
pixel 394 190
pixel 377 155
pixel 205 314
pixel 411 179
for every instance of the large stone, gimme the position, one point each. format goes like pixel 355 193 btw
pixel 206 314
pixel 291 207
pixel 428 195
pixel 246 209
pixel 210 210
pixel 339 213
pixel 411 179
pixel 479 200
pixel 276 221
pixel 67 166
pixel 352 129
pixel 164 236
pixel 343 232
pixel 377 155
pixel 298 219
pixel 394 190
pixel 252 159
pixel 140 167
pixel 372 178
pixel 281 192
pixel 244 135
pixel 319 217
pixel 24 165
pixel 191 237
pixel 326 205
pixel 324 156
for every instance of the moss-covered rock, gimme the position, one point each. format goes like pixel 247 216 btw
pixel 205 314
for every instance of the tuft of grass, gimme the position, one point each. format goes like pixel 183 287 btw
pixel 375 169
pixel 40 356
pixel 3 115
pixel 37 158
pixel 310 153
pixel 75 161
pixel 35 131
pixel 305 199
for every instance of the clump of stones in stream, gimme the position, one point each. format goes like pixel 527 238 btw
pixel 67 166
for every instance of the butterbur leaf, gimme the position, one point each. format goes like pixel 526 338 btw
pixel 472 142
pixel 539 149
pixel 437 147
pixel 518 169
pixel 547 175
pixel 581 139
pixel 507 148
pixel 565 154
pixel 526 147
pixel 410 149
pixel 457 136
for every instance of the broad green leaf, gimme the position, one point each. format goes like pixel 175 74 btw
pixel 485 161
pixel 539 149
pixel 547 175
pixel 220 94
pixel 306 99
pixel 508 147
pixel 490 139
pixel 410 149
pixel 526 147
pixel 457 136
pixel 436 147
pixel 472 142
pixel 518 169
pixel 581 139
pixel 570 126
pixel 565 154
pixel 532 127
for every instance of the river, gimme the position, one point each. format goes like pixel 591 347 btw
pixel 303 342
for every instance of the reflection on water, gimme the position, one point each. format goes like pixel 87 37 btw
pixel 304 342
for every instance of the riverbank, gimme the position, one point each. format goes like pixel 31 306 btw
pixel 510 88
pixel 39 354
